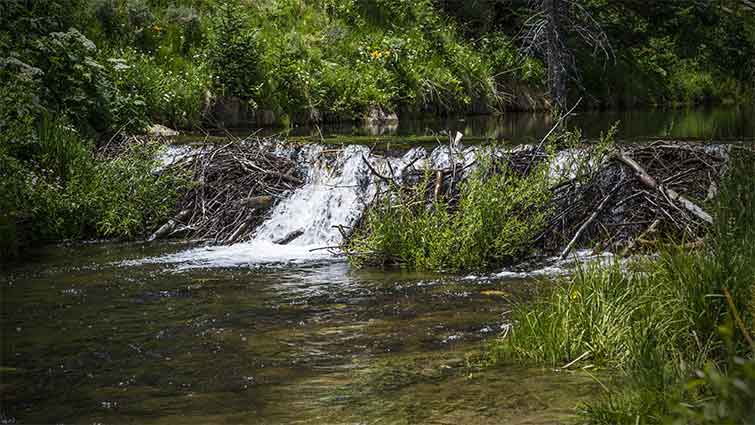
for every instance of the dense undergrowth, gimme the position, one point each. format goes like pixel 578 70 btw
pixel 678 328
pixel 498 214
pixel 58 190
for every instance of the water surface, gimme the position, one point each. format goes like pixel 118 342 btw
pixel 89 339
pixel 720 123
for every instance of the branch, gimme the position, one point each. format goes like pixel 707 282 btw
pixel 672 195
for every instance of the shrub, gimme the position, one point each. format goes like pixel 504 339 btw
pixel 77 84
pixel 497 217
pixel 172 93
pixel 64 192
pixel 235 53
pixel 20 104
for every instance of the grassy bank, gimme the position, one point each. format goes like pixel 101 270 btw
pixel 678 328
pixel 58 189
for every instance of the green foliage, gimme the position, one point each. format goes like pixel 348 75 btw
pixel 235 53
pixel 172 93
pixel 76 83
pixel 343 58
pixel 498 215
pixel 657 323
pixel 63 191
pixel 128 198
pixel 672 53
pixel 19 105
pixel 729 396
pixel 73 79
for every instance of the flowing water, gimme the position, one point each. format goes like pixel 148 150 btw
pixel 87 339
pixel 264 333
pixel 261 332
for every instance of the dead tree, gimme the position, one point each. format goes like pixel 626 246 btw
pixel 548 31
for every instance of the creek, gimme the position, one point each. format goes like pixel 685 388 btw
pixel 259 332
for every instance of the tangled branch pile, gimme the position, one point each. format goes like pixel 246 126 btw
pixel 235 184
pixel 636 196
pixel 615 197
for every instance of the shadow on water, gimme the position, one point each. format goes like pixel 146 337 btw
pixel 86 339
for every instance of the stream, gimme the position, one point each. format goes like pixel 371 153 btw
pixel 263 333
pixel 86 340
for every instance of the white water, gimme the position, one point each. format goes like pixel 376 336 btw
pixel 334 195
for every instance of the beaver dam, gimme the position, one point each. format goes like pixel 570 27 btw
pixel 264 200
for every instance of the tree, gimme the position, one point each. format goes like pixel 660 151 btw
pixel 549 30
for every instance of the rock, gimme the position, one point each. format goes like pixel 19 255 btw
pixel 233 112
pixel 158 130
pixel 289 237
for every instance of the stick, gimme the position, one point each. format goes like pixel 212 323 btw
pixel 738 319
pixel 633 242
pixel 558 124
pixel 169 226
pixel 237 233
pixel 380 176
pixel 672 195
pixel 587 222
pixel 582 356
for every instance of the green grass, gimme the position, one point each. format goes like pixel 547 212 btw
pixel 659 322
pixel 64 192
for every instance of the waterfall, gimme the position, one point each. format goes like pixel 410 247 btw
pixel 301 227
pixel 334 195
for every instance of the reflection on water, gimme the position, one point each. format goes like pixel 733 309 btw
pixel 720 123
pixel 86 340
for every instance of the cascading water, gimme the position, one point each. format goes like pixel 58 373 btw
pixel 333 196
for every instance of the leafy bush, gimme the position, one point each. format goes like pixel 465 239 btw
pixel 729 396
pixel 63 191
pixel 20 104
pixel 172 93
pixel 498 215
pixel 235 54
pixel 76 83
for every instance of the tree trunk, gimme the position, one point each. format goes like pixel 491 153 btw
pixel 555 55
